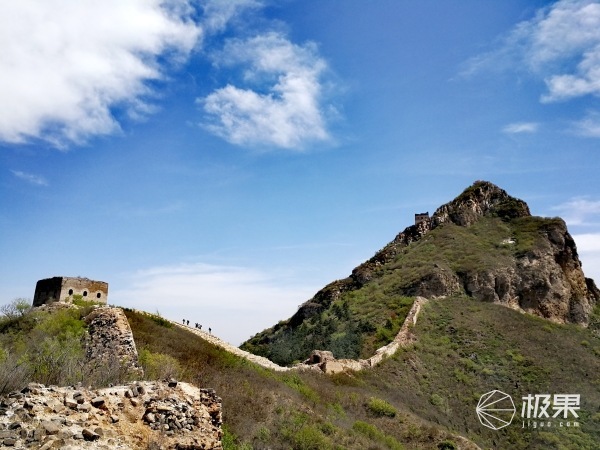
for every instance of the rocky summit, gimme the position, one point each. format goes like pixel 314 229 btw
pixel 484 244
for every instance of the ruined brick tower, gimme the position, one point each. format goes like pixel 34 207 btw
pixel 62 289
pixel 420 217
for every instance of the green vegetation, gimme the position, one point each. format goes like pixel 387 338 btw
pixel 417 399
pixel 381 408
pixel 420 398
pixel 79 300
pixel 353 327
pixel 15 309
pixel 265 409
pixel 365 317
pixel 465 348
pixel 373 433
pixel 48 347
pixel 158 366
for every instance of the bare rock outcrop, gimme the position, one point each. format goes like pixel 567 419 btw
pixel 547 280
pixel 142 415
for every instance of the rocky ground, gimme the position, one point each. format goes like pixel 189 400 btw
pixel 143 415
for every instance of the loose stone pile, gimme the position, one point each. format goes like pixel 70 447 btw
pixel 139 416
pixel 171 416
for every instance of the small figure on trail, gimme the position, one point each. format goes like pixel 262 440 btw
pixel 188 323
pixel 183 321
pixel 200 326
pixel 209 330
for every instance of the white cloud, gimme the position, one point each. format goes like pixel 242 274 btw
pixel 570 30
pixel 521 127
pixel 588 126
pixel 65 66
pixel 588 242
pixel 285 108
pixel 30 178
pixel 218 13
pixel 236 302
pixel 561 44
pixel 577 211
pixel 584 212
pixel 588 247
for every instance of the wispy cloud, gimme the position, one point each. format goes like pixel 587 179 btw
pixel 561 45
pixel 219 13
pixel 588 247
pixel 130 211
pixel 588 242
pixel 589 126
pixel 30 178
pixel 282 105
pixel 521 127
pixel 582 211
pixel 66 66
pixel 236 302
pixel 579 210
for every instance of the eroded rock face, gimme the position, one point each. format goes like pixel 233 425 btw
pixel 547 281
pixel 138 416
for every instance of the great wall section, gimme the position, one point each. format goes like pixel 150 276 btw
pixel 319 359
pixel 144 413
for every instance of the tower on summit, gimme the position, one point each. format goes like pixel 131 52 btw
pixel 62 289
pixel 420 217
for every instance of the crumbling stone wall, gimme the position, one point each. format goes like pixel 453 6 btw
pixel 326 362
pixel 110 341
pixel 62 289
pixel 167 415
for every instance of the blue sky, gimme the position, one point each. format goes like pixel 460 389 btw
pixel 221 161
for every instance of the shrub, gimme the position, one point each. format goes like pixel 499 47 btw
pixel 309 437
pixel 381 408
pixel 436 400
pixel 17 308
pixel 158 366
pixel 78 300
pixel 373 433
pixel 161 321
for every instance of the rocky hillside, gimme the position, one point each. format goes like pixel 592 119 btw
pixel 484 244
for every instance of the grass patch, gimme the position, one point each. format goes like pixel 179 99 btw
pixel 373 433
pixel 381 408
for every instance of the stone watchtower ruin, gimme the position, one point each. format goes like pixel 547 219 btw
pixel 62 289
pixel 420 217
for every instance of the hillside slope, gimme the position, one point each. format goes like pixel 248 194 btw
pixel 424 397
pixel 484 244
pixel 269 409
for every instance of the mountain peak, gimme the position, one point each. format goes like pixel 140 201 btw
pixel 484 244
pixel 480 199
